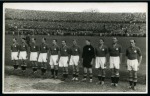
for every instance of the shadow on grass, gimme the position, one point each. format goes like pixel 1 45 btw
pixel 28 74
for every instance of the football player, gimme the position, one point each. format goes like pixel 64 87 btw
pixel 115 52
pixel 133 63
pixel 23 54
pixel 101 52
pixel 42 58
pixel 28 39
pixel 34 54
pixel 75 59
pixel 14 53
pixel 88 56
pixel 64 59
pixel 54 54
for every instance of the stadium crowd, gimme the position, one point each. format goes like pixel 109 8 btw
pixel 76 24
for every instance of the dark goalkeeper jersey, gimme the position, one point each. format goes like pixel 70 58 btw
pixel 88 52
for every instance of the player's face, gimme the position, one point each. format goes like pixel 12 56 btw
pixel 101 41
pixel 114 40
pixel 33 40
pixel 54 42
pixel 23 40
pixel 63 43
pixel 43 41
pixel 132 43
pixel 14 40
pixel 87 42
pixel 74 42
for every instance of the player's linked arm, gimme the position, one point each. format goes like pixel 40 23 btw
pixel 47 53
pixel 108 55
pixel 39 51
pixel 10 48
pixel 120 51
pixel 58 56
pixel 18 50
pixel 120 57
pixel 27 50
pixel 69 54
pixel 140 56
pixel 83 54
pixel 93 56
pixel 80 55
pixel 140 60
pixel 107 59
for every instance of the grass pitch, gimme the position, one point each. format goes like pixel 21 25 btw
pixel 84 87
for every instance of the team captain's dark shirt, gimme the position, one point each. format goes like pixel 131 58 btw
pixel 54 49
pixel 101 52
pixel 88 52
pixel 15 47
pixel 115 50
pixel 133 52
pixel 75 50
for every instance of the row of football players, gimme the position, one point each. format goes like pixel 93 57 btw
pixel 65 55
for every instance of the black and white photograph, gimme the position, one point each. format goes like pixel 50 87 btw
pixel 75 47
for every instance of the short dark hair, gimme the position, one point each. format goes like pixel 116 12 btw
pixel 88 40
pixel 74 40
pixel 115 37
pixel 34 38
pixel 64 40
pixel 23 38
pixel 44 39
pixel 55 40
pixel 101 39
pixel 15 38
pixel 133 40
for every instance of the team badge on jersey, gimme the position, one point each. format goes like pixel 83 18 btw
pixel 44 47
pixel 103 49
pixel 65 50
pixel 34 47
pixel 135 51
pixel 89 49
pixel 76 49
pixel 15 45
pixel 54 48
pixel 116 48
pixel 23 46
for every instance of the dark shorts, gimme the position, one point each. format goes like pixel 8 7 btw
pixel 87 62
